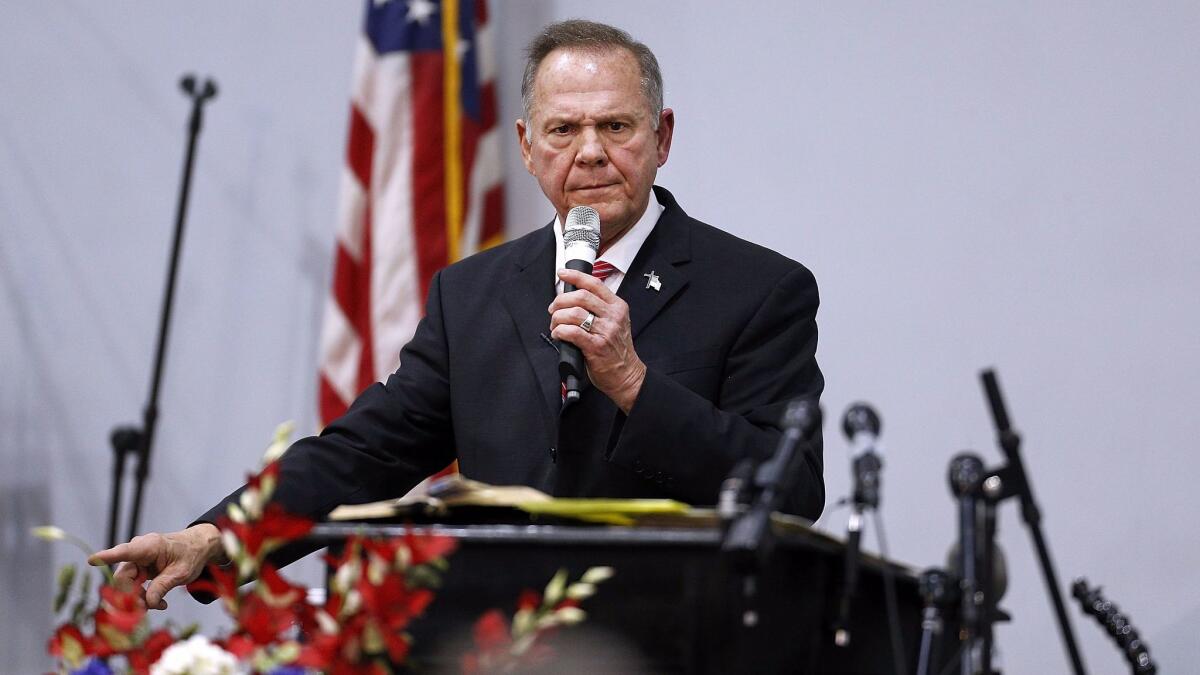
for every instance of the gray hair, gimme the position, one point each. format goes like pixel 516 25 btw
pixel 591 36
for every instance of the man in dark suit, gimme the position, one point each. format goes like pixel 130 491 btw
pixel 694 343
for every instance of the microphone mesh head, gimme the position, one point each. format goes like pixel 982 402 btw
pixel 582 228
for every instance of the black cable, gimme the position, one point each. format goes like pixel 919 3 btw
pixel 899 658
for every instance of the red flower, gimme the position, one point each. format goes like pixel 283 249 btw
pixel 222 582
pixel 254 481
pixel 368 668
pixel 528 600
pixel 119 614
pixel 123 610
pixel 148 653
pixel 239 645
pixel 262 622
pixel 319 651
pixel 65 640
pixel 491 631
pixel 279 590
pixel 427 547
pixel 274 528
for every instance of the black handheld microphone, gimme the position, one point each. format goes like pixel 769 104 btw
pixel 581 242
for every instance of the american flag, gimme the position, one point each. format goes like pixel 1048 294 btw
pixel 421 186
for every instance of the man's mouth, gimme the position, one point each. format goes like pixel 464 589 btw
pixel 587 188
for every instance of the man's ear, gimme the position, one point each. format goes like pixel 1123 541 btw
pixel 526 146
pixel 666 129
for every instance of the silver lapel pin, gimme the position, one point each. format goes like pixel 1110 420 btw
pixel 652 281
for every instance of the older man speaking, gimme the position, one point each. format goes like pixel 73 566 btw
pixel 694 340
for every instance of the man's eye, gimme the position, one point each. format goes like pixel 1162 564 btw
pixel 561 129
pixel 616 126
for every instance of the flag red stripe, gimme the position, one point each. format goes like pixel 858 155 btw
pixel 493 212
pixel 331 404
pixel 487 105
pixel 360 148
pixel 428 167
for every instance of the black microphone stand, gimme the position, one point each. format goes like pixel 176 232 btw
pixel 752 493
pixel 966 473
pixel 130 439
pixel 866 468
pixel 938 589
pixel 1011 480
pixel 748 541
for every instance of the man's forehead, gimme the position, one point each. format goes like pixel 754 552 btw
pixel 600 65
pixel 589 76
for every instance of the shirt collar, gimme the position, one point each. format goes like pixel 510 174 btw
pixel 621 254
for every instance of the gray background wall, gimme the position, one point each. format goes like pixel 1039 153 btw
pixel 1008 184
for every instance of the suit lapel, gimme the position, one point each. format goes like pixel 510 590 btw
pixel 526 295
pixel 530 291
pixel 663 254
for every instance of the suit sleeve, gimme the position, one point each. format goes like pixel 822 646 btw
pixel 393 436
pixel 771 363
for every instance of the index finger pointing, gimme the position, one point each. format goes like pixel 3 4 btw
pixel 134 551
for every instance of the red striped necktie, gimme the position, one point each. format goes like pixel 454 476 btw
pixel 601 269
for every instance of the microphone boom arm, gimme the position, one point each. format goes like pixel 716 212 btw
pixel 1011 480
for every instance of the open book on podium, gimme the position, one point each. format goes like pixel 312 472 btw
pixel 457 498
pixel 454 495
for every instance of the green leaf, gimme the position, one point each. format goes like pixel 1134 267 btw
pixel 80 609
pixel 66 577
pixel 188 631
pixel 423 577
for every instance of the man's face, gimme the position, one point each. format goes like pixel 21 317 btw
pixel 591 136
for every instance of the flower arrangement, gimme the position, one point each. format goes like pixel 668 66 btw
pixel 502 647
pixel 377 587
pixel 97 630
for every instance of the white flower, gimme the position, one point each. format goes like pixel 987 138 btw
pixel 279 444
pixel 554 589
pixel 252 503
pixel 49 533
pixel 196 656
pixel 570 615
pixel 595 575
pixel 580 591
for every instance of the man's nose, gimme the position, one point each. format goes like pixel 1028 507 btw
pixel 591 148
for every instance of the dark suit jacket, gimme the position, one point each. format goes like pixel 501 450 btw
pixel 727 341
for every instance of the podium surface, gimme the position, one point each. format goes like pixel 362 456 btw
pixel 674 604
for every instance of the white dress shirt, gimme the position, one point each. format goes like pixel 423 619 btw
pixel 621 254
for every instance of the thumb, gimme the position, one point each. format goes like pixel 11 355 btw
pixel 158 587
